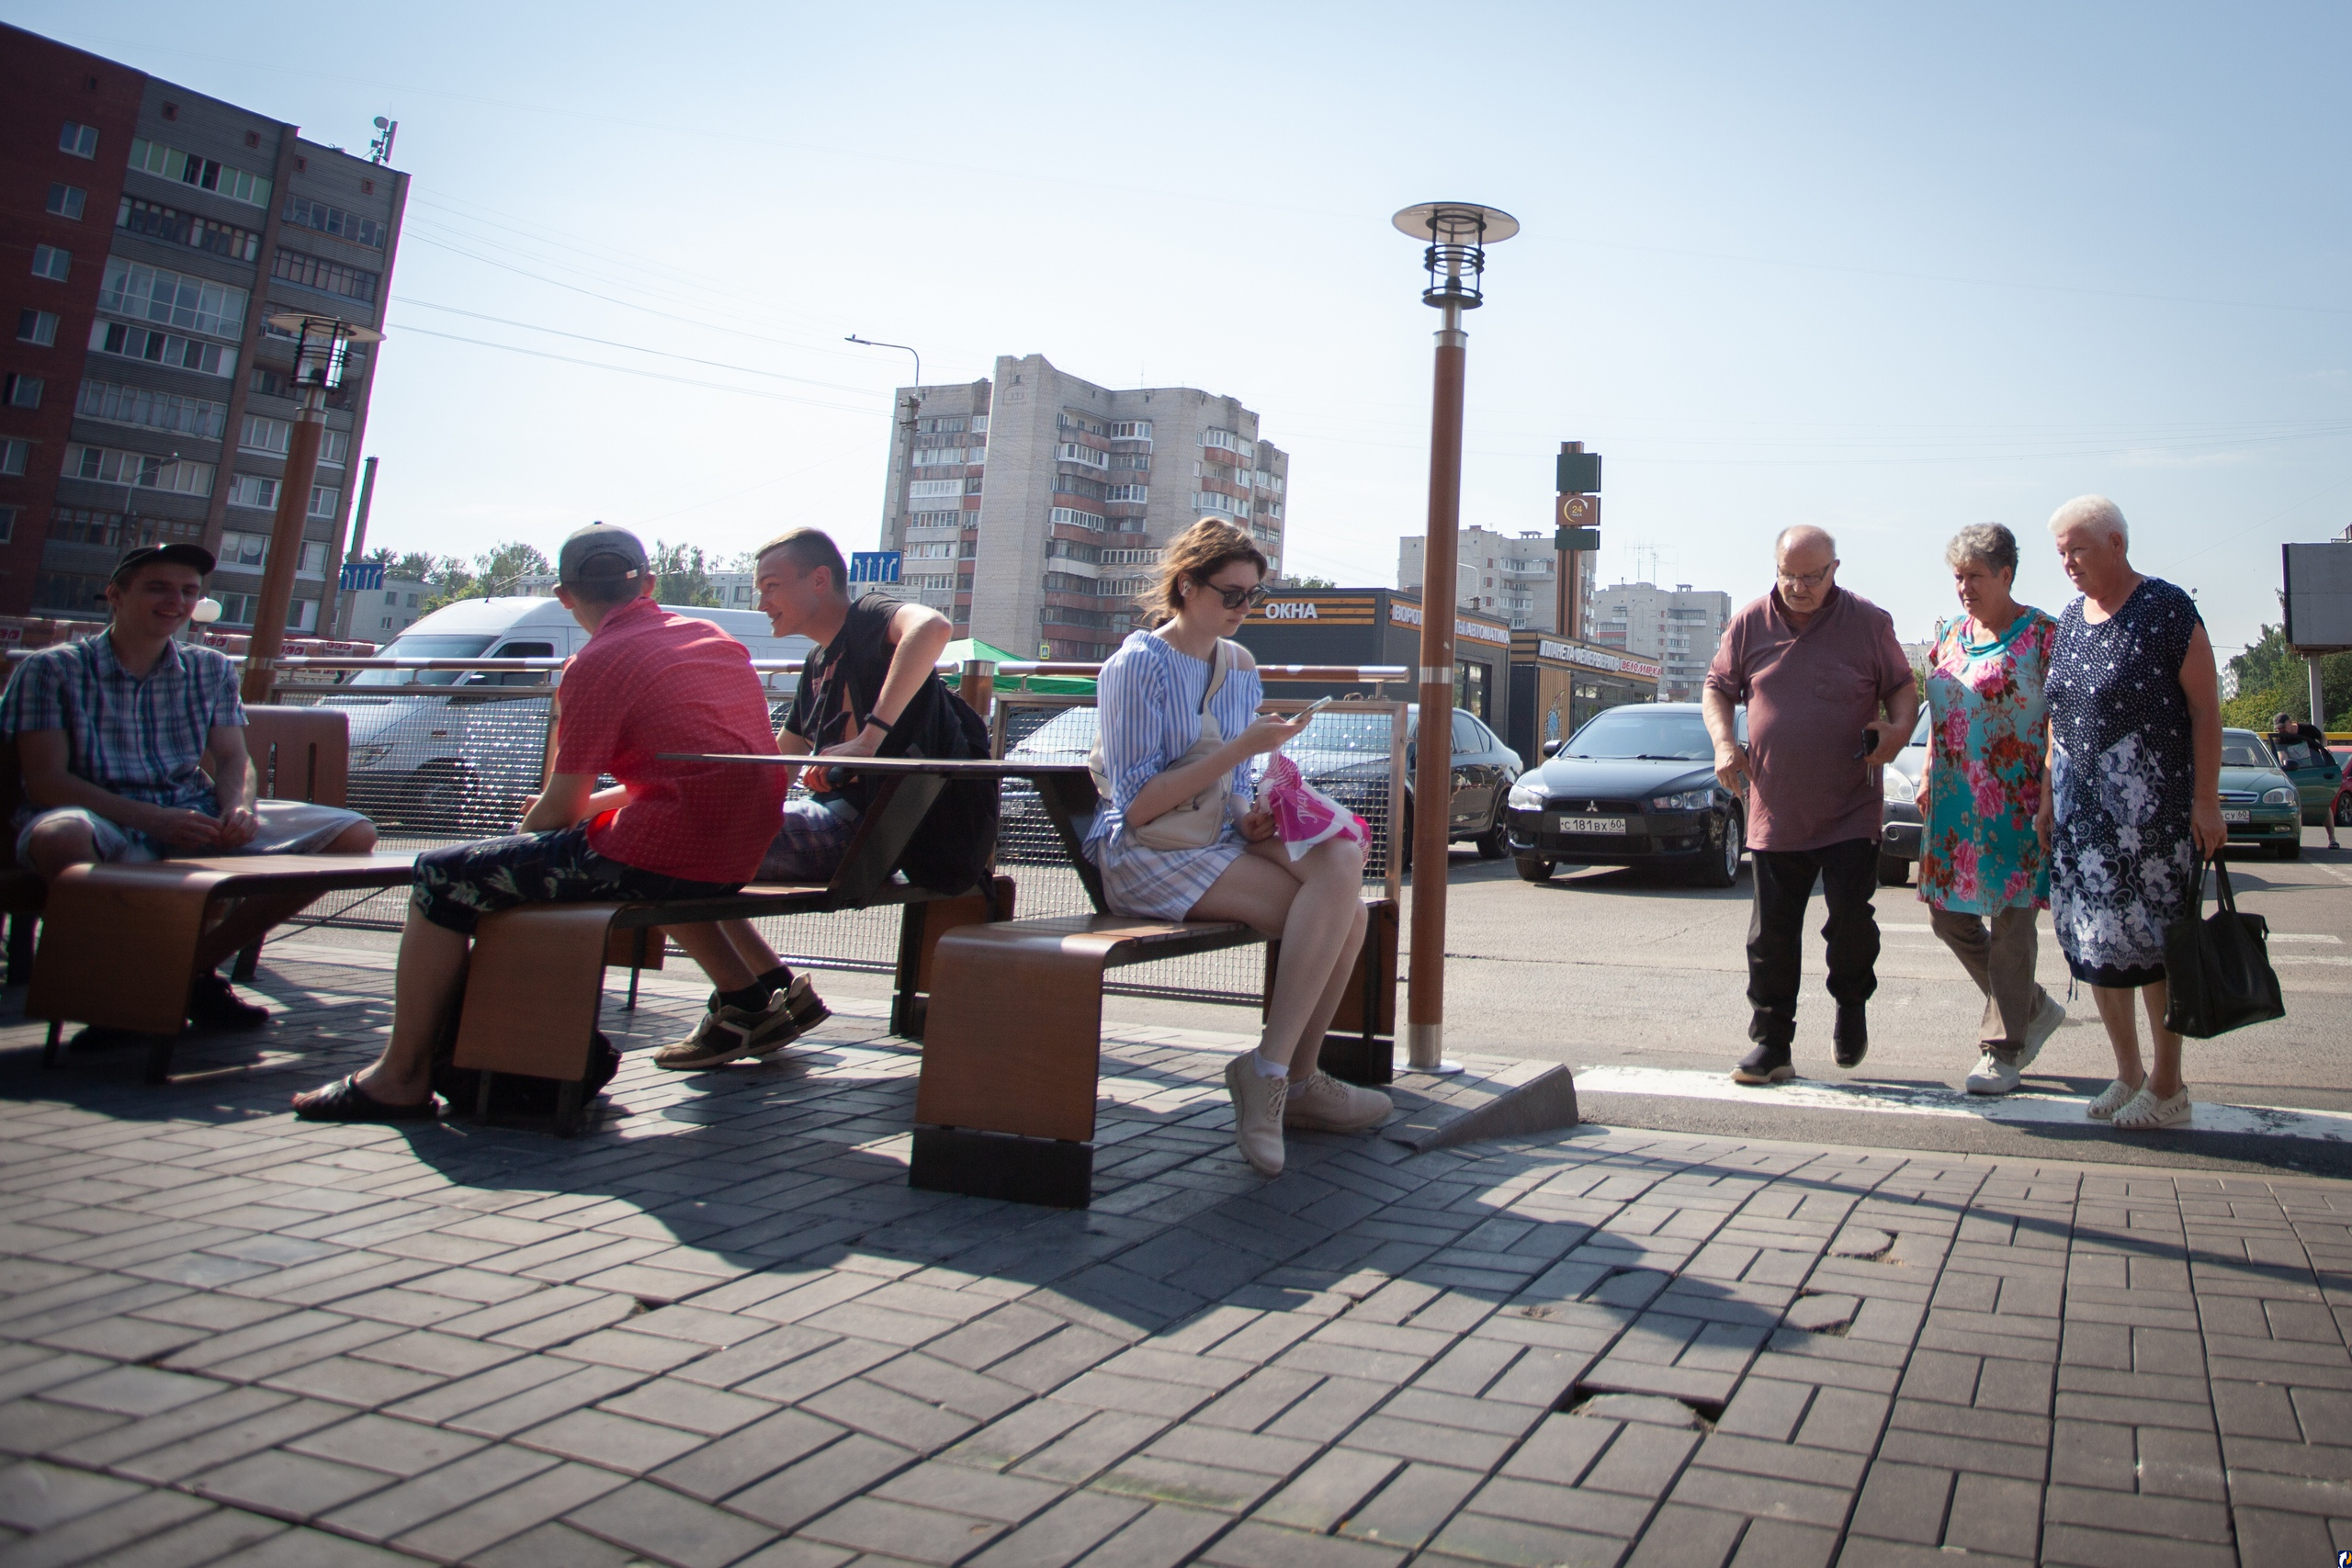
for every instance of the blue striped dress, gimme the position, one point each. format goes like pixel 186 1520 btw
pixel 1149 698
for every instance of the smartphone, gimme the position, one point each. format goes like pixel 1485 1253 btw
pixel 1870 744
pixel 1311 709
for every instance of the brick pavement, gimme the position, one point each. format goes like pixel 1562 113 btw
pixel 720 1329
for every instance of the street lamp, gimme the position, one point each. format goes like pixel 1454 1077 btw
pixel 914 405
pixel 322 347
pixel 1457 234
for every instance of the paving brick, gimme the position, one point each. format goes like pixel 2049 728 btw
pixel 467 1531
pixel 822 1480
pixel 1063 1533
pixel 218 1535
pixel 34 1497
pixel 557 1545
pixel 1581 1509
pixel 396 1510
pixel 231 1440
pixel 677 1529
pixel 95 1535
pixel 1484 1538
pixel 289 1485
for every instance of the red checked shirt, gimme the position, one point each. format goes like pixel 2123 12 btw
pixel 651 682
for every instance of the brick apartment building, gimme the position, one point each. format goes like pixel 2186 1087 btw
pixel 147 233
pixel 1500 574
pixel 1031 505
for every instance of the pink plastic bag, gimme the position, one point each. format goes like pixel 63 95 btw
pixel 1304 816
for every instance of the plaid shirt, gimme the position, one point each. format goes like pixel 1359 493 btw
pixel 138 737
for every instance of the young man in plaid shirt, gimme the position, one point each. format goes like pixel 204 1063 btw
pixel 648 682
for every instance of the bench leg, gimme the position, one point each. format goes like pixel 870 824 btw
pixel 21 946
pixel 56 1039
pixel 482 1097
pixel 568 1102
pixel 1051 1171
pixel 248 960
pixel 159 1059
pixel 920 928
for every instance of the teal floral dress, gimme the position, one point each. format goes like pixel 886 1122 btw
pixel 1987 736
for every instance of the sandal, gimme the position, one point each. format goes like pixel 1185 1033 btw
pixel 2146 1114
pixel 346 1102
pixel 2111 1098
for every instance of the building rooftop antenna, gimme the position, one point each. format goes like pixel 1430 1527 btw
pixel 380 149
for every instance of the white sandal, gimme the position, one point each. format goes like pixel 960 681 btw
pixel 2111 1098
pixel 2146 1114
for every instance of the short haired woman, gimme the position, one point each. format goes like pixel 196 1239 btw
pixel 1180 724
pixel 2132 804
pixel 1980 860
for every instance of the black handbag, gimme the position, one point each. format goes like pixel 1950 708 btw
pixel 2217 968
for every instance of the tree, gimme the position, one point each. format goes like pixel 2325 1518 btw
pixel 504 564
pixel 681 575
pixel 2272 680
pixel 416 566
pixel 1308 583
pixel 382 557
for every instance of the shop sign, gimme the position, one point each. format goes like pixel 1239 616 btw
pixel 1594 659
pixel 1406 614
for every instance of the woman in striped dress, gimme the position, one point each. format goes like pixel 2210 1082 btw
pixel 1180 725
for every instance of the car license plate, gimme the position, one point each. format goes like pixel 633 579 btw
pixel 1592 825
pixel 2237 816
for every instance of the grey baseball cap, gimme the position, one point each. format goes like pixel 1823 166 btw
pixel 615 552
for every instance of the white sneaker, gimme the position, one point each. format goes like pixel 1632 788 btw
pixel 1324 1104
pixel 2145 1113
pixel 2040 1028
pixel 1256 1114
pixel 1993 1076
pixel 2111 1098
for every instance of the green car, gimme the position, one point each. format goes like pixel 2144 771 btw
pixel 2314 772
pixel 2259 805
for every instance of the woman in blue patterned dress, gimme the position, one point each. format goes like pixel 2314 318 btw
pixel 2132 803
pixel 1174 840
pixel 1979 860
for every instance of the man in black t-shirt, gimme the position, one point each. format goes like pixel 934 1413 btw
pixel 2304 746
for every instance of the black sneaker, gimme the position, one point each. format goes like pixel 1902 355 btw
pixel 1766 1063
pixel 1851 1036
pixel 213 1005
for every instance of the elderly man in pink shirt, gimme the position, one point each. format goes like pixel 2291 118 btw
pixel 1830 700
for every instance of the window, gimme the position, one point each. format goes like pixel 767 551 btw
pixel 237 610
pixel 8 515
pixel 171 300
pixel 1131 430
pixel 1136 461
pixel 143 471
pixel 1075 484
pixel 270 383
pixel 264 435
pixel 37 327
pixel 1129 557
pixel 334 447
pixel 932 456
pixel 1070 550
pixel 1071 452
pixel 238 185
pixel 51 263
pixel 1071 517
pixel 944 550
pixel 1130 492
pixel 82 141
pixel 950 423
pixel 392 598
pixel 323 501
pixel 314 559
pixel 157 410
pixel 932 489
pixel 174 227
pixel 21 391
pixel 80 525
pixel 162 348
pixel 1223 440
pixel 252 490
pixel 66 201
pixel 387 623
pixel 335 221
pixel 979 424
pixel 316 272
pixel 69 594
pixel 411 601
pixel 934 519
pixel 14 455
pixel 1211 501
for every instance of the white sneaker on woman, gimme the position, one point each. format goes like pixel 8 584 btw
pixel 1256 1114
pixel 2145 1113
pixel 1323 1104
pixel 2111 1098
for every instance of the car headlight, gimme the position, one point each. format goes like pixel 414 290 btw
pixel 1899 786
pixel 1528 795
pixel 2281 796
pixel 1688 800
pixel 369 756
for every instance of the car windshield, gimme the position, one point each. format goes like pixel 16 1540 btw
pixel 1635 730
pixel 2243 749
pixel 430 646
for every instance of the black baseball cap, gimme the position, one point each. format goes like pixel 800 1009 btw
pixel 196 556
pixel 603 550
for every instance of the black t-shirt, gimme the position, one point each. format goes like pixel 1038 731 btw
pixel 842 680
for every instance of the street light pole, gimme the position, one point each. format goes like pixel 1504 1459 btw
pixel 1457 234
pixel 914 404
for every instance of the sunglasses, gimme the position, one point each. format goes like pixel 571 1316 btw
pixel 1235 598
pixel 1810 579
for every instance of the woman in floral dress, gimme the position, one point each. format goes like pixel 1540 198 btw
pixel 2132 802
pixel 1981 872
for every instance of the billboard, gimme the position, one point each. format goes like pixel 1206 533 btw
pixel 2318 597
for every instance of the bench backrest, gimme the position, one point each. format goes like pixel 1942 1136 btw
pixel 299 753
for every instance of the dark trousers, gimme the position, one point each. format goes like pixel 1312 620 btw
pixel 1848 874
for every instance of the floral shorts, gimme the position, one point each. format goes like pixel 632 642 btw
pixel 457 887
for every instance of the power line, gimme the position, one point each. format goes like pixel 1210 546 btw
pixel 634 348
pixel 631 370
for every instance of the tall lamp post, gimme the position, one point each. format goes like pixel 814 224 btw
pixel 322 344
pixel 907 423
pixel 1458 233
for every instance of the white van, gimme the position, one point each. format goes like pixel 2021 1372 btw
pixel 459 759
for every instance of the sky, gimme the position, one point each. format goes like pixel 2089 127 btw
pixel 1888 270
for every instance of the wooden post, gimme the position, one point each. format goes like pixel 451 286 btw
pixel 284 548
pixel 1433 764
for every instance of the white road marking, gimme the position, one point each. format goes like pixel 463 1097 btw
pixel 2022 1106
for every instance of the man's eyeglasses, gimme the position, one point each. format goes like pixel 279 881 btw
pixel 1235 597
pixel 1810 580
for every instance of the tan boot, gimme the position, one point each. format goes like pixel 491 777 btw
pixel 1324 1104
pixel 1256 1114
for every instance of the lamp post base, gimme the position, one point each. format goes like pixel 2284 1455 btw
pixel 1425 1052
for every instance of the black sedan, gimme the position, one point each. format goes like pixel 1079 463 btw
pixel 1635 786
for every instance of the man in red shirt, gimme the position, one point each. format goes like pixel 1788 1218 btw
pixel 1830 700
pixel 649 681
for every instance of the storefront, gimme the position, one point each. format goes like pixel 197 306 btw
pixel 1378 625
pixel 1556 685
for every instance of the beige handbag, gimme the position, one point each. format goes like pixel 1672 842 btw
pixel 1195 824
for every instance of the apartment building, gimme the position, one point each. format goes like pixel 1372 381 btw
pixel 1677 626
pixel 147 234
pixel 1514 576
pixel 380 614
pixel 1031 506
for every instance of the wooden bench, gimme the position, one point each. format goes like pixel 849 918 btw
pixel 1005 1106
pixel 534 983
pixel 121 945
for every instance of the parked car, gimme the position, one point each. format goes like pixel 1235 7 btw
pixel 2317 775
pixel 2259 805
pixel 1344 755
pixel 1634 786
pixel 1901 823
pixel 449 752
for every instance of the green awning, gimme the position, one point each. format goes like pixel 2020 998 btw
pixel 963 650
